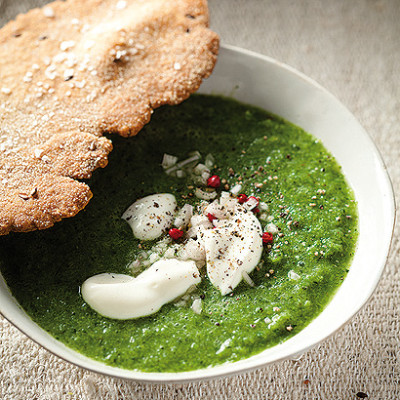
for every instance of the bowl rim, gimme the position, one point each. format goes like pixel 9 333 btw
pixel 226 369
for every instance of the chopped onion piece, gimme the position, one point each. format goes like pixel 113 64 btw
pixel 271 228
pixel 200 180
pixel 197 306
pixel 293 275
pixel 204 176
pixel 251 203
pixel 168 161
pixel 134 265
pixel 153 258
pixel 195 153
pixel 235 190
pixel 263 216
pixel 247 278
pixel 201 194
pixel 209 161
pixel 183 217
pixel 183 163
pixel 170 253
pixel 200 168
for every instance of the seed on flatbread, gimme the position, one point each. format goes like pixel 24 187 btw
pixel 74 70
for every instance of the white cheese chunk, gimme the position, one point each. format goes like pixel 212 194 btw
pixel 121 296
pixel 150 216
pixel 235 245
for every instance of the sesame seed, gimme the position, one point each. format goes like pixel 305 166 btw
pixel 121 5
pixel 67 44
pixel 80 85
pixel 48 12
pixel 5 90
pixel 68 74
pixel 50 74
pixel 23 196
pixel 34 193
pixel 177 66
pixel 28 77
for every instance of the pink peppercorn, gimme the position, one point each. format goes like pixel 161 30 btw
pixel 267 238
pixel 175 233
pixel 211 217
pixel 242 198
pixel 214 181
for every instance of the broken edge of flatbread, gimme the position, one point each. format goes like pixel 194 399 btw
pixel 74 70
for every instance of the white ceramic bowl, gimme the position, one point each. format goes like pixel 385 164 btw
pixel 264 82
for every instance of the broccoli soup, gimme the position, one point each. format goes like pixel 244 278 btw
pixel 217 232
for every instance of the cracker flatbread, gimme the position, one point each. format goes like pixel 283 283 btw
pixel 76 69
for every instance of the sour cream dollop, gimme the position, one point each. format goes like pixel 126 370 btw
pixel 122 296
pixel 150 216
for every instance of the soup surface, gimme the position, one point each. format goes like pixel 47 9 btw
pixel 309 202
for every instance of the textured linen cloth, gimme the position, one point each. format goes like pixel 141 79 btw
pixel 353 49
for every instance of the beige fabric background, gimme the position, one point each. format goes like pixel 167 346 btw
pixel 353 49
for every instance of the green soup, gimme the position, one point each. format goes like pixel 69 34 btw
pixel 287 168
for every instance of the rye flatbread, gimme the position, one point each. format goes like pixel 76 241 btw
pixel 74 70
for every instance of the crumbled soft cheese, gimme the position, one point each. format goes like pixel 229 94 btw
pixel 121 296
pixel 198 222
pixel 192 250
pixel 234 246
pixel 150 216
